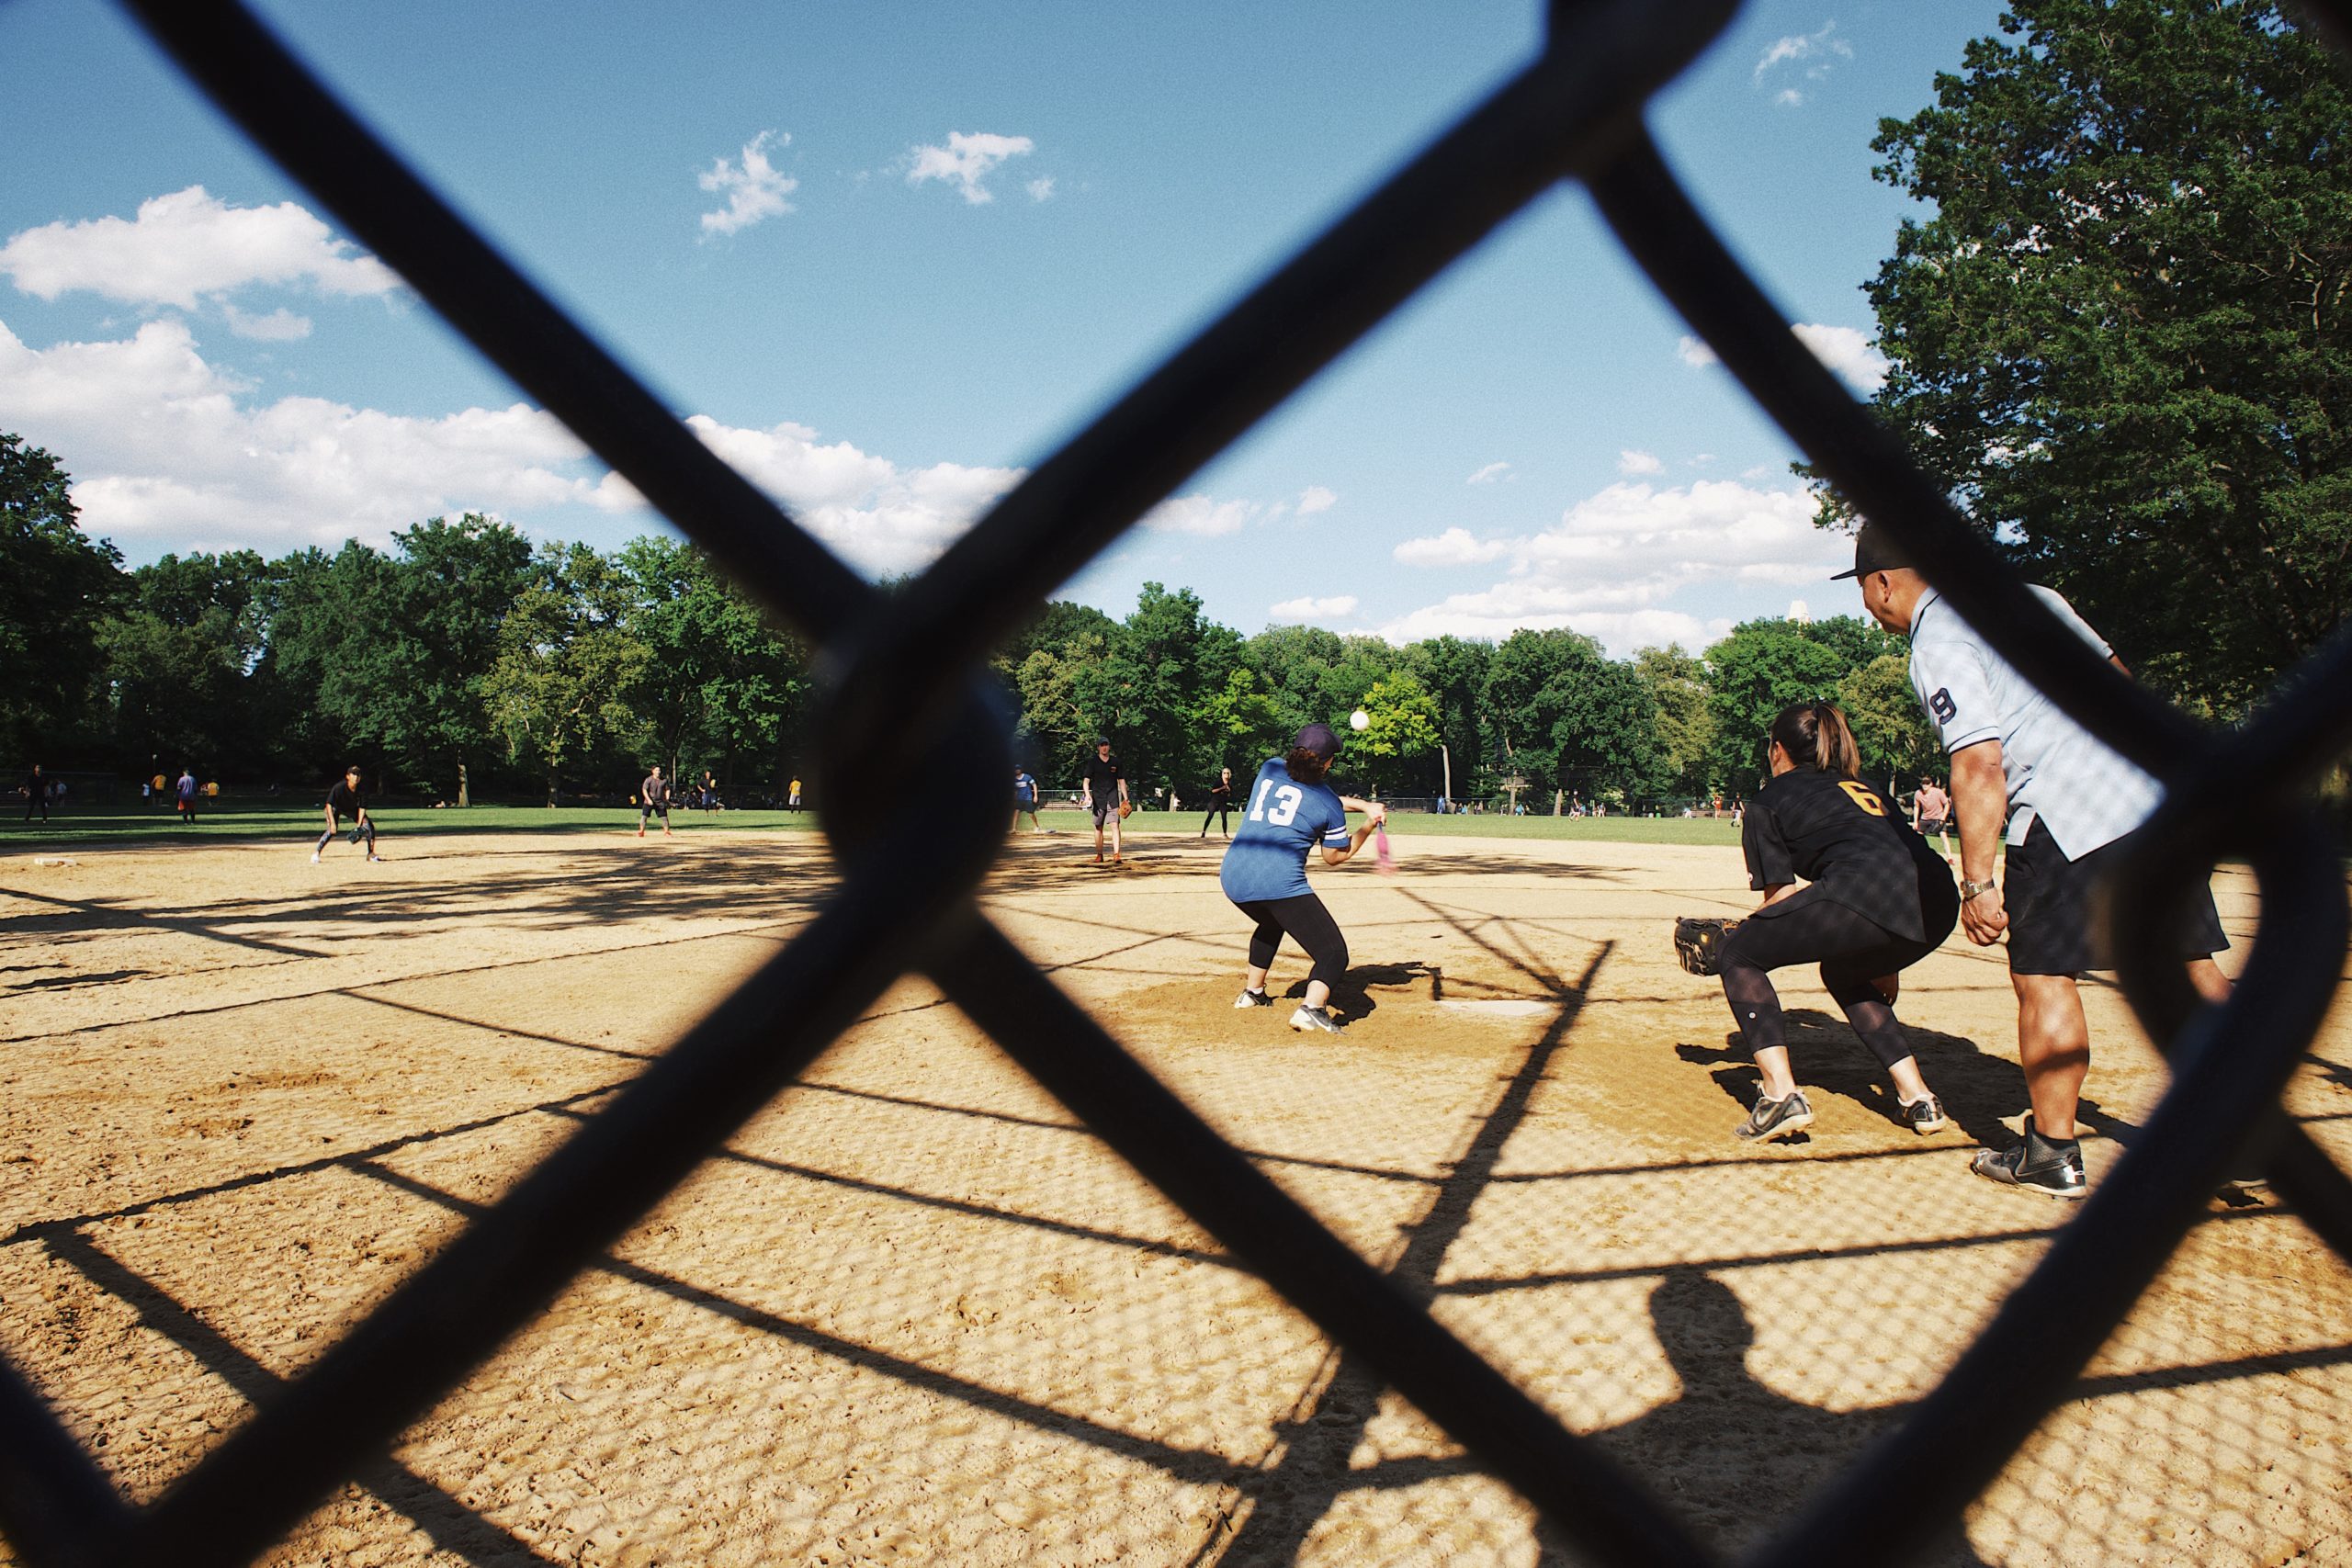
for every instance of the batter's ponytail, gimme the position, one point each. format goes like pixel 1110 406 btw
pixel 1816 736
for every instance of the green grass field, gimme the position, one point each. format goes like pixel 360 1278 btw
pixel 237 820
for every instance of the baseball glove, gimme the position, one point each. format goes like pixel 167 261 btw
pixel 1126 809
pixel 1699 943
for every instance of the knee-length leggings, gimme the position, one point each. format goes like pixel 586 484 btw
pixel 1853 950
pixel 1305 921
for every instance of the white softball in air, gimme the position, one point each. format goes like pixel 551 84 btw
pixel 1359 720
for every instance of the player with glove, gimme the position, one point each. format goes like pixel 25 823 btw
pixel 1876 901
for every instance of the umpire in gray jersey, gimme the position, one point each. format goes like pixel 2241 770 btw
pixel 2023 772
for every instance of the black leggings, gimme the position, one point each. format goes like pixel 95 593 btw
pixel 1305 921
pixel 366 829
pixel 1853 950
pixel 1225 811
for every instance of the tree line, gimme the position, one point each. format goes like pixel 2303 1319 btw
pixel 465 660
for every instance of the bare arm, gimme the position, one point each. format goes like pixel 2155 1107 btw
pixel 1374 813
pixel 1980 797
pixel 1777 892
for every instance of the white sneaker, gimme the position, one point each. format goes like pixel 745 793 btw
pixel 1254 999
pixel 1315 1020
pixel 314 857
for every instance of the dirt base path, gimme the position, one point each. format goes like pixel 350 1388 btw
pixel 914 1314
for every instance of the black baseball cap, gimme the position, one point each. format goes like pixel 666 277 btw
pixel 1102 740
pixel 1319 739
pixel 1875 549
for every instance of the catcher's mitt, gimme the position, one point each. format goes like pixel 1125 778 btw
pixel 1699 943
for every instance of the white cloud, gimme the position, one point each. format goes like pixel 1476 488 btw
pixel 1629 461
pixel 1612 561
pixel 189 246
pixel 1315 498
pixel 166 447
pixel 1788 99
pixel 1814 51
pixel 1202 514
pixel 755 191
pixel 1453 547
pixel 1490 474
pixel 280 325
pixel 967 161
pixel 1041 189
pixel 1311 609
pixel 1846 350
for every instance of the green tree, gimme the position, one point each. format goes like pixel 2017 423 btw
pixel 1454 671
pixel 566 658
pixel 1752 674
pixel 1677 683
pixel 1570 717
pixel 180 649
pixel 1404 726
pixel 2124 339
pixel 1241 724
pixel 1896 745
pixel 717 680
pixel 55 584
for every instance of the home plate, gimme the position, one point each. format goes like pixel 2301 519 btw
pixel 1501 1009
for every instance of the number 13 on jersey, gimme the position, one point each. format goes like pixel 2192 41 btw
pixel 1287 800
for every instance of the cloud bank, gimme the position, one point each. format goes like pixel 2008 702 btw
pixel 186 247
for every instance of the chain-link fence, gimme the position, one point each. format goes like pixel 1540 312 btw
pixel 906 703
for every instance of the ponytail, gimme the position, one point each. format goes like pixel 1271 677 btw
pixel 1816 736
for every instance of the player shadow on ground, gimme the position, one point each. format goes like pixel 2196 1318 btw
pixel 1978 1090
pixel 1353 996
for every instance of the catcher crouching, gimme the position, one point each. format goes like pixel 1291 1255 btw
pixel 1875 900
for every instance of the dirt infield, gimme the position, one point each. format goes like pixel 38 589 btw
pixel 915 1315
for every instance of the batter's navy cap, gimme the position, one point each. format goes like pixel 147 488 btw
pixel 1875 551
pixel 1319 739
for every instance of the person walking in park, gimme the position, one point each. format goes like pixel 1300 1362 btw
pixel 1220 803
pixel 792 797
pixel 346 799
pixel 35 789
pixel 184 794
pixel 1102 790
pixel 2018 758
pixel 1874 901
pixel 653 800
pixel 1292 810
pixel 1024 799
pixel 1931 815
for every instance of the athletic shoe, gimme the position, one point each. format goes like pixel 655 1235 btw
pixel 1926 1116
pixel 374 859
pixel 1254 999
pixel 1316 1021
pixel 2048 1165
pixel 1771 1117
pixel 314 859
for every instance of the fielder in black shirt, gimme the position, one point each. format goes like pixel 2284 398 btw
pixel 1876 901
pixel 1104 784
pixel 346 799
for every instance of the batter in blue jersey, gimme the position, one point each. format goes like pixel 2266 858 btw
pixel 1290 813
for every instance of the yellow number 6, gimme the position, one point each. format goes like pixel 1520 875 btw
pixel 1860 794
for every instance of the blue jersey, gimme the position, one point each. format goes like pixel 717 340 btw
pixel 1025 789
pixel 1281 821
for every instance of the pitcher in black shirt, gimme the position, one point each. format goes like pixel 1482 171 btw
pixel 1876 901
pixel 343 799
pixel 1220 803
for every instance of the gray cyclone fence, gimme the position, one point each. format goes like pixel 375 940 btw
pixel 906 704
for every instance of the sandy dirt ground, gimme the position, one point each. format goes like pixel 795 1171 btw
pixel 915 1313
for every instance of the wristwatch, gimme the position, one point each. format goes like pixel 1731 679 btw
pixel 1970 889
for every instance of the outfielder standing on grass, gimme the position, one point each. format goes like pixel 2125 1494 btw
pixel 653 799
pixel 1291 811
pixel 1220 803
pixel 346 799
pixel 1876 901
pixel 2066 798
pixel 1103 791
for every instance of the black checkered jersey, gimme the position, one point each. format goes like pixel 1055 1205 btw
pixel 1843 837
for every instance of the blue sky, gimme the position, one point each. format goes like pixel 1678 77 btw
pixel 885 258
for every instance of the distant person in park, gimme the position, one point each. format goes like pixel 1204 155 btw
pixel 792 797
pixel 653 800
pixel 1931 814
pixel 709 791
pixel 1875 900
pixel 1220 803
pixel 2018 759
pixel 35 789
pixel 1103 790
pixel 1292 810
pixel 185 793
pixel 1024 800
pixel 346 799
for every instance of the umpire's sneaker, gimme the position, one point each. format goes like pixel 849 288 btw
pixel 2052 1166
pixel 1254 999
pixel 1925 1116
pixel 1771 1117
pixel 1316 1021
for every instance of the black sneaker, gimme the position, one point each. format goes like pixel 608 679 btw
pixel 1771 1117
pixel 1254 999
pixel 1316 1021
pixel 1925 1116
pixel 2050 1167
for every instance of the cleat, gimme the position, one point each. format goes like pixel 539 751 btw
pixel 1254 999
pixel 2037 1164
pixel 1773 1117
pixel 1925 1116
pixel 1316 1021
